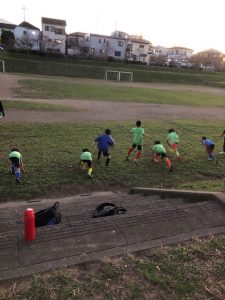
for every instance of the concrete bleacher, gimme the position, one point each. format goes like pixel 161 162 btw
pixel 151 221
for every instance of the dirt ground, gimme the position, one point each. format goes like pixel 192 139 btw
pixel 109 111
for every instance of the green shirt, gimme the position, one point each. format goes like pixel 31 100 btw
pixel 173 138
pixel 15 154
pixel 158 148
pixel 86 156
pixel 138 135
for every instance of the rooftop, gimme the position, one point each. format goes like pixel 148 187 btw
pixel 53 21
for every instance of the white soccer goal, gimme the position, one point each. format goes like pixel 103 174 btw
pixel 118 75
pixel 3 65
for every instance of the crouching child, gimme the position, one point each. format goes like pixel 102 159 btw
pixel 159 154
pixel 16 163
pixel 86 158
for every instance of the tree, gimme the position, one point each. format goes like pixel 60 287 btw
pixel 8 39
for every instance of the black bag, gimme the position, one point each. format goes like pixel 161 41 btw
pixel 108 209
pixel 48 216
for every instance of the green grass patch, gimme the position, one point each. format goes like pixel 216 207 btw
pixel 34 64
pixel 51 153
pixel 62 89
pixel 18 104
pixel 177 272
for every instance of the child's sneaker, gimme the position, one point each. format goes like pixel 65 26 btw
pixel 210 158
pixel 90 176
pixel 18 180
pixel 170 169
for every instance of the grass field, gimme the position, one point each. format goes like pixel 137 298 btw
pixel 193 270
pixel 33 64
pixel 51 153
pixel 62 89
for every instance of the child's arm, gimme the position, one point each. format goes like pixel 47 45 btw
pixel 21 165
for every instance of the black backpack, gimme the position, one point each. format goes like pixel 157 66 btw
pixel 108 209
pixel 48 216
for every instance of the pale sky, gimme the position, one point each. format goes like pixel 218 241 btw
pixel 195 24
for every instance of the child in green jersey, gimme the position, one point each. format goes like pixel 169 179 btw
pixel 86 158
pixel 173 142
pixel 16 163
pixel 159 153
pixel 138 133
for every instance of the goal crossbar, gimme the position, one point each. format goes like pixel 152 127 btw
pixel 118 75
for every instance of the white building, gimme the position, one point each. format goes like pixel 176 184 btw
pixel 179 53
pixel 104 46
pixel 138 49
pixel 75 43
pixel 27 37
pixel 53 35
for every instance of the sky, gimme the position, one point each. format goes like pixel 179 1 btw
pixel 195 24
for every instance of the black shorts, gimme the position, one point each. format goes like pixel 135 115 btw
pixel 139 147
pixel 106 154
pixel 89 163
pixel 15 161
pixel 163 155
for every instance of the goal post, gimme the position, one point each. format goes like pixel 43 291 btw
pixel 118 75
pixel 3 65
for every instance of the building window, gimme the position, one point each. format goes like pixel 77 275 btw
pixel 141 46
pixel 120 43
pixel 102 51
pixel 99 41
pixel 24 33
pixel 117 53
pixel 59 31
pixel 104 41
pixel 33 33
pixel 92 50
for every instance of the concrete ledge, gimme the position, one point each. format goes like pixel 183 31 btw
pixel 184 194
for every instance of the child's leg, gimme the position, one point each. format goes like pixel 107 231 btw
pixel 90 169
pixel 155 157
pixel 175 149
pixel 108 157
pixel 130 150
pixel 138 155
pixel 99 154
pixel 17 174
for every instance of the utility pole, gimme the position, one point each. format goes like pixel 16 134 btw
pixel 24 12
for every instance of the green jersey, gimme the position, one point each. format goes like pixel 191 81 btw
pixel 173 138
pixel 158 148
pixel 86 156
pixel 138 135
pixel 15 154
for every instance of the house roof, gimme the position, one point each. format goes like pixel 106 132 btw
pixel 140 41
pixel 80 34
pixel 213 51
pixel 28 25
pixel 7 26
pixel 53 21
pixel 180 48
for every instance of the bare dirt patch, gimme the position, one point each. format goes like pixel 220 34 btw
pixel 110 111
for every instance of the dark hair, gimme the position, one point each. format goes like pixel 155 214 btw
pixel 15 149
pixel 138 123
pixel 204 138
pixel 157 142
pixel 171 130
pixel 108 131
pixel 85 150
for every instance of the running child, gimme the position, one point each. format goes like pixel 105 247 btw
pixel 209 147
pixel 104 142
pixel 223 135
pixel 16 163
pixel 159 153
pixel 138 133
pixel 86 158
pixel 173 142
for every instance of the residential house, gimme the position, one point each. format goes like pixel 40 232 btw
pixel 138 49
pixel 179 53
pixel 104 46
pixel 27 37
pixel 53 35
pixel 5 25
pixel 75 45
pixel 210 60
